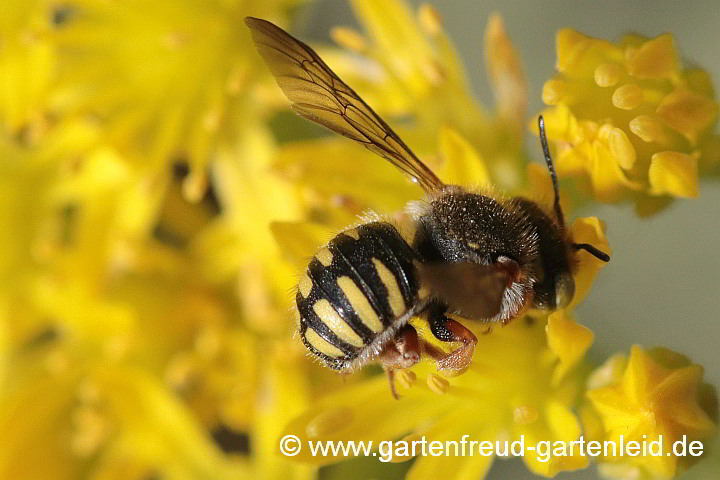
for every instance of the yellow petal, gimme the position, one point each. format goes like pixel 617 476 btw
pixel 506 74
pixel 462 163
pixel 172 435
pixel 608 373
pixel 363 412
pixel 654 59
pixel 611 404
pixel 558 428
pixel 687 112
pixel 578 54
pixel 554 91
pixel 452 428
pixel 541 189
pixel 560 124
pixel 391 25
pixel 568 340
pixel 587 230
pixel 562 421
pixel 287 393
pixel 673 173
pixel 609 182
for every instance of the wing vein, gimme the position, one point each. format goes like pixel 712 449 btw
pixel 318 94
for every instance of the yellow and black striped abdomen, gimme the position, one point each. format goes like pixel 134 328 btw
pixel 357 287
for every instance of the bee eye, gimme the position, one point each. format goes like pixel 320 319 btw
pixel 564 290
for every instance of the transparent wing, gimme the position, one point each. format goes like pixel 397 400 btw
pixel 319 95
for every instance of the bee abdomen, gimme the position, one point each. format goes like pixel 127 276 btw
pixel 353 290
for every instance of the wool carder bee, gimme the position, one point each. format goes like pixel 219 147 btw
pixel 472 255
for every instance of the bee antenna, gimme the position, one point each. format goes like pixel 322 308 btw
pixel 551 169
pixel 593 251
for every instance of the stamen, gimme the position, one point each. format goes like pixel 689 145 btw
pixel 621 148
pixel 649 129
pixel 607 75
pixel 437 384
pixel 628 97
pixel 407 378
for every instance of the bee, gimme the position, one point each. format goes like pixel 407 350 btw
pixel 472 255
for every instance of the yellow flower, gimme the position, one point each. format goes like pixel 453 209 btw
pixel 35 212
pixel 238 246
pixel 152 339
pixel 654 394
pixel 407 69
pixel 121 300
pixel 117 420
pixel 630 119
pixel 520 383
pixel 86 296
pixel 168 79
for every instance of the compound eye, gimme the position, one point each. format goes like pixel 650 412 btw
pixel 564 290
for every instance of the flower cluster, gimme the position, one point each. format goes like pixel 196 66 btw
pixel 142 310
pixel 652 395
pixel 629 121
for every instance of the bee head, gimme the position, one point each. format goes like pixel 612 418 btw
pixel 563 284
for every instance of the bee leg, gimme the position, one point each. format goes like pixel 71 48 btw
pixel 408 345
pixel 391 380
pixel 402 352
pixel 448 330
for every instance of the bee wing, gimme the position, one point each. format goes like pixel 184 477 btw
pixel 319 95
pixel 477 290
